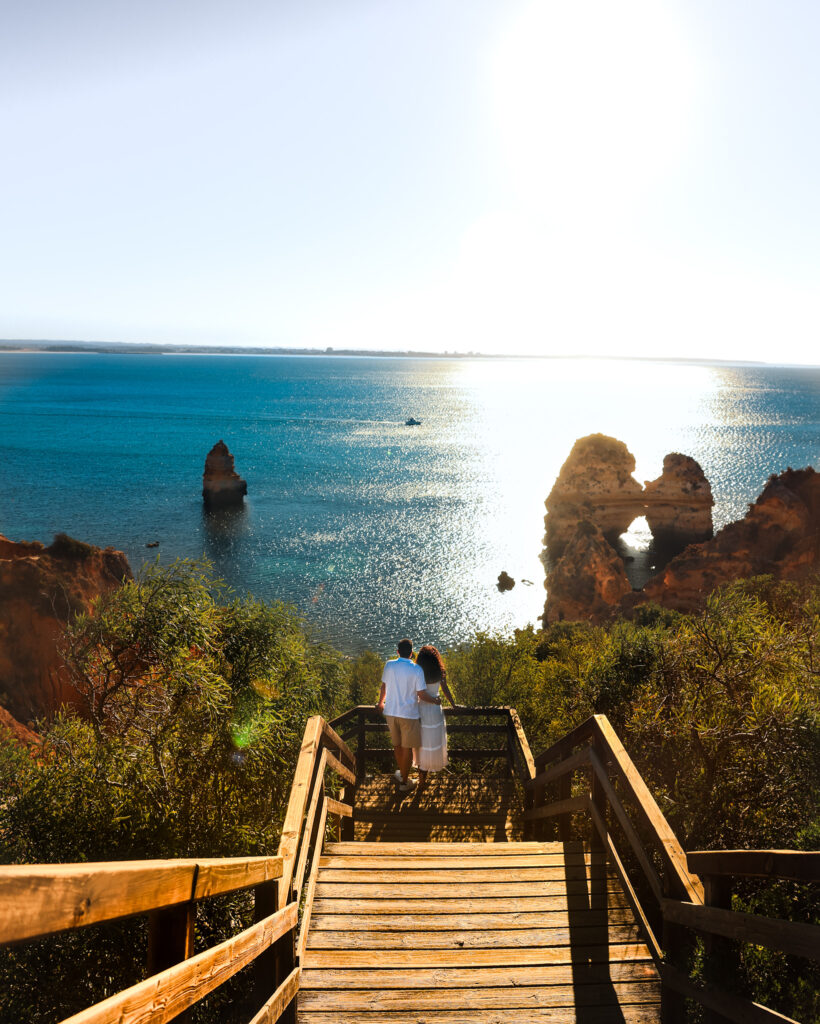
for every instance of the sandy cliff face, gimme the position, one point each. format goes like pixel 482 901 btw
pixel 221 484
pixel 589 579
pixel 40 588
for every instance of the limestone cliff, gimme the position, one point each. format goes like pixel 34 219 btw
pixel 678 505
pixel 40 589
pixel 588 581
pixel 595 484
pixel 221 484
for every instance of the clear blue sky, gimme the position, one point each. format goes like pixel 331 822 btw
pixel 554 177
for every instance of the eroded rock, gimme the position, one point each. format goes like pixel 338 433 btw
pixel 588 582
pixel 678 505
pixel 221 484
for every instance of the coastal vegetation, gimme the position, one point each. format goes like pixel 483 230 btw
pixel 193 702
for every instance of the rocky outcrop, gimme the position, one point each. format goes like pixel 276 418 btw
pixel 594 484
pixel 588 581
pixel 779 536
pixel 40 589
pixel 9 726
pixel 678 505
pixel 505 581
pixel 221 484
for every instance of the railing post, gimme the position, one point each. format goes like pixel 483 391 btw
pixel 171 940
pixel 673 1008
pixel 285 953
pixel 510 745
pixel 265 903
pixel 361 743
pixel 598 796
pixel 719 963
pixel 564 787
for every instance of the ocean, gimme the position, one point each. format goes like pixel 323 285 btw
pixel 372 529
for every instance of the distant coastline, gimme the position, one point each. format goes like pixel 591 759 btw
pixel 140 348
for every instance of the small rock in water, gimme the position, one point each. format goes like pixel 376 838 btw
pixel 152 544
pixel 505 582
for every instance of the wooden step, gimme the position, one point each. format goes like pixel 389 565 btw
pixel 474 933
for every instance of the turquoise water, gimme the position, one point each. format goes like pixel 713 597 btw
pixel 373 529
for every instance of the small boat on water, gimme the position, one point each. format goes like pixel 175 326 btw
pixel 412 422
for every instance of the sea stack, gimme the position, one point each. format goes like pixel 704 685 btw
pixel 679 504
pixel 221 484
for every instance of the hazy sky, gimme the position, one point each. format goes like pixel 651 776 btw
pixel 564 176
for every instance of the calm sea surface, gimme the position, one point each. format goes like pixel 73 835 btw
pixel 371 528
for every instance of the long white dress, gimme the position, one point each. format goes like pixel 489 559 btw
pixel 432 755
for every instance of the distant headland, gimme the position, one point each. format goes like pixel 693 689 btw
pixel 144 348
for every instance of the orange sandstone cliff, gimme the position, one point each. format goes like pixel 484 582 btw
pixel 40 589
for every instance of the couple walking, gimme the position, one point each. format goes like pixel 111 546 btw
pixel 410 701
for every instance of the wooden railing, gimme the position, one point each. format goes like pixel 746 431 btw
pixel 39 900
pixel 587 779
pixel 475 735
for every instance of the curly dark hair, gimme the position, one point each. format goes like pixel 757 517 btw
pixel 430 661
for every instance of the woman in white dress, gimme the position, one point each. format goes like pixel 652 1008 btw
pixel 431 756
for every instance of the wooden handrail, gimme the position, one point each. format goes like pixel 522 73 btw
pixel 44 899
pixel 792 865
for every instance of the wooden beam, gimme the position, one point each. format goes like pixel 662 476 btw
pixel 574 803
pixel 784 936
pixel 307 831
pixel 162 997
pixel 330 736
pixel 41 899
pixel 281 998
pixel 336 765
pixel 794 865
pixel 741 1011
pixel 304 925
pixel 338 808
pixel 580 734
pixel 580 759
pixel 295 814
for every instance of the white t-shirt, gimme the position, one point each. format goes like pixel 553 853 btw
pixel 403 679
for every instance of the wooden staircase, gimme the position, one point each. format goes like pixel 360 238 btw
pixel 473 932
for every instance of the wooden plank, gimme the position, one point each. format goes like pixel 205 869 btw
pixel 580 759
pixel 445 877
pixel 407 959
pixel 304 925
pixel 632 837
pixel 297 803
pixel 569 806
pixel 478 998
pixel 453 850
pixel 433 862
pixel 523 745
pixel 636 1013
pixel 784 936
pixel 336 765
pixel 330 736
pixel 40 899
pixel 451 904
pixel 463 922
pixel 579 734
pixel 310 821
pixel 794 865
pixel 481 977
pixel 688 885
pixel 162 997
pixel 338 808
pixel 509 889
pixel 282 997
pixel 727 1005
pixel 475 939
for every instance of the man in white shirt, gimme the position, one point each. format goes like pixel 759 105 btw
pixel 403 686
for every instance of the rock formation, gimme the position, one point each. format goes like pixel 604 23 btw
pixel 595 484
pixel 40 589
pixel 505 581
pixel 678 505
pixel 588 581
pixel 221 484
pixel 779 536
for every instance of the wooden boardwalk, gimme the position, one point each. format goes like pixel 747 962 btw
pixel 473 932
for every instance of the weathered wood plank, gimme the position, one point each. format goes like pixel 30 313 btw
pixel 304 846
pixel 785 936
pixel 450 904
pixel 310 896
pixel 435 862
pixel 727 1005
pixel 481 977
pixel 282 997
pixel 362 890
pixel 336 765
pixel 338 808
pixel 796 865
pixel 452 850
pixel 568 806
pixel 444 877
pixel 580 759
pixel 461 922
pixel 330 736
pixel 635 1013
pixel 407 959
pixel 478 998
pixel 297 803
pixel 39 899
pixel 469 939
pixel 162 997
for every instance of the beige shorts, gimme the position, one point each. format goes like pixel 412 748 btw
pixel 404 732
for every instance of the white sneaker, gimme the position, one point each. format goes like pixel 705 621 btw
pixel 405 787
pixel 397 776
